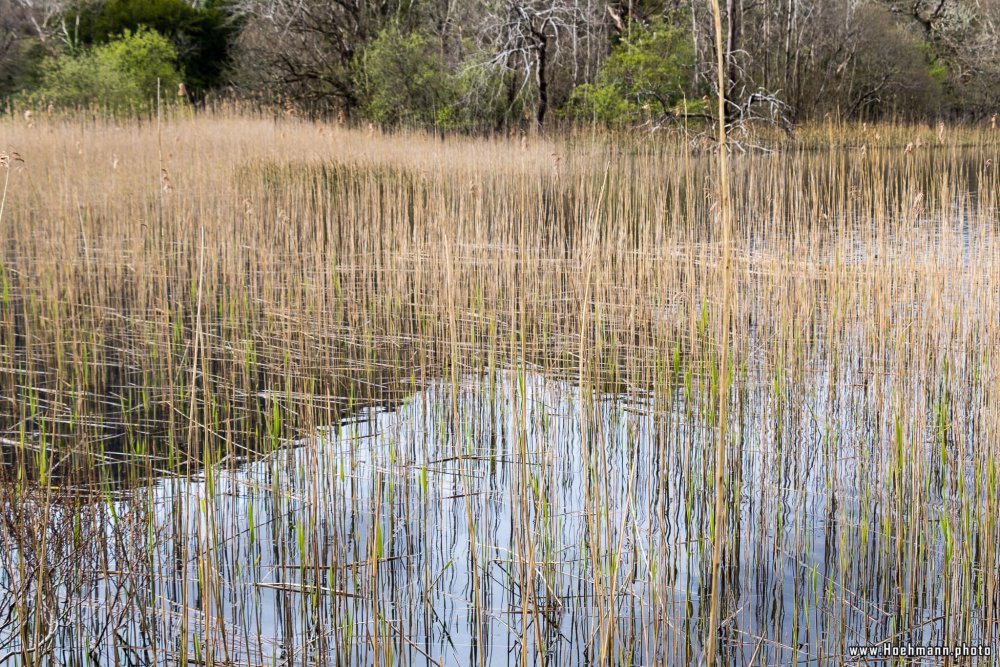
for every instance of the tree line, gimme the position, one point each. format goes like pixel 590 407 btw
pixel 505 64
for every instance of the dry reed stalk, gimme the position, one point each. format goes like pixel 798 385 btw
pixel 719 512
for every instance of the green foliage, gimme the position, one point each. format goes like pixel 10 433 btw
pixel 402 79
pixel 201 35
pixel 938 69
pixel 22 69
pixel 119 75
pixel 647 74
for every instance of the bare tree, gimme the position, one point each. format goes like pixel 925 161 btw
pixel 965 37
pixel 855 57
pixel 304 49
pixel 526 39
pixel 792 59
pixel 24 25
pixel 41 15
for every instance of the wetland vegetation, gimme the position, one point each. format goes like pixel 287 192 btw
pixel 276 392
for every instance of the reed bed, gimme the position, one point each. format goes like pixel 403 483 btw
pixel 286 393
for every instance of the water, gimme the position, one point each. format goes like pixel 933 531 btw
pixel 500 521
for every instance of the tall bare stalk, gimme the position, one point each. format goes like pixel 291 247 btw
pixel 719 536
